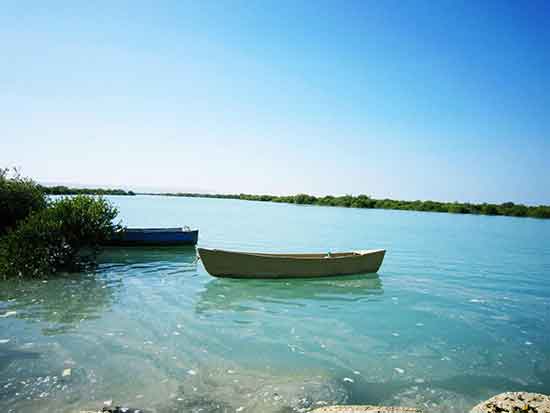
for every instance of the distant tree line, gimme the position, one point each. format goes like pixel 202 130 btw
pixel 347 201
pixel 64 190
pixel 364 201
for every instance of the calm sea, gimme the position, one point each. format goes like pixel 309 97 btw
pixel 460 311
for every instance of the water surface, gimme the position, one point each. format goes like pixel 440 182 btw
pixel 460 311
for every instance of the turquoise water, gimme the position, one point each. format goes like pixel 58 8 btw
pixel 460 311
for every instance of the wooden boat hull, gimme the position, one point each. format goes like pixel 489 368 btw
pixel 153 237
pixel 220 263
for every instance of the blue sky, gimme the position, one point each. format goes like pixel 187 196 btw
pixel 445 100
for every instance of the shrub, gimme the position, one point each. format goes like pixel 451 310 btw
pixel 65 236
pixel 541 211
pixel 304 199
pixel 19 197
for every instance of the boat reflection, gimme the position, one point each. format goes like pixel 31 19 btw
pixel 146 255
pixel 235 294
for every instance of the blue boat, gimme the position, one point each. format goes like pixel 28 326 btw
pixel 154 237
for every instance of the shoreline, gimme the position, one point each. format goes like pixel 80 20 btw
pixel 509 209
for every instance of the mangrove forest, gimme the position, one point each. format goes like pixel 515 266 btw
pixel 364 201
pixel 347 201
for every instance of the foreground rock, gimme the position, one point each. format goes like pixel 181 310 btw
pixel 365 409
pixel 515 402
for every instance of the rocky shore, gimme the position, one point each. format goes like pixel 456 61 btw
pixel 513 402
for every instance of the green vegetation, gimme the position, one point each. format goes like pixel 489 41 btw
pixel 19 197
pixel 364 201
pixel 64 190
pixel 347 201
pixel 40 237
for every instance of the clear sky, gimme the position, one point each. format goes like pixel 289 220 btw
pixel 444 100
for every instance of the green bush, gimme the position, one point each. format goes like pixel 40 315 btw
pixel 19 197
pixel 64 236
pixel 304 199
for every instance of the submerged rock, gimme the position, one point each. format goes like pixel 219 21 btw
pixel 117 409
pixel 366 409
pixel 515 402
pixel 230 389
pixel 428 398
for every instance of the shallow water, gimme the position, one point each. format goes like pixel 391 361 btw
pixel 460 311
